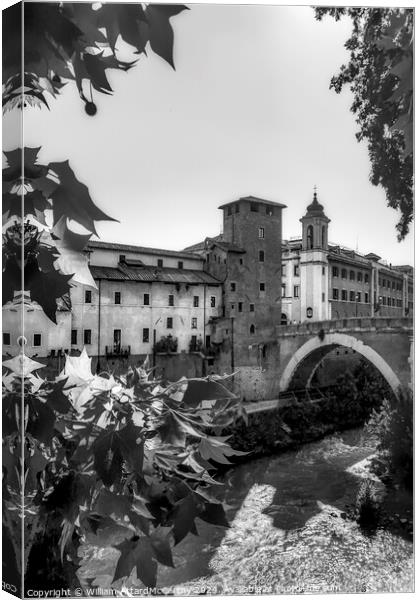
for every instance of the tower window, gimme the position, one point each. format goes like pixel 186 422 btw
pixel 252 329
pixel 117 298
pixel 323 270
pixel 171 299
pixel 196 301
pixel 310 237
pixel 254 207
pixel 213 301
pixel 146 299
pixel 323 236
pixel 261 233
pixel 169 323
pixel 88 297
pixel 262 287
pixel 261 256
pixel 233 286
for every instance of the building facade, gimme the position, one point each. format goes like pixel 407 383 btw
pixel 220 299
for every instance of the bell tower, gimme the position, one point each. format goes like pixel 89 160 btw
pixel 314 263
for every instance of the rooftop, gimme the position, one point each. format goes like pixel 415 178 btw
pixel 141 250
pixel 253 199
pixel 150 274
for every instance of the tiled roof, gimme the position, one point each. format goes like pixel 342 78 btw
pixel 151 274
pixel 141 250
pixel 229 247
pixel 254 199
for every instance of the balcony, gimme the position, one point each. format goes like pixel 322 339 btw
pixel 166 345
pixel 117 351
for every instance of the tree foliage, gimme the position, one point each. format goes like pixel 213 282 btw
pixel 125 458
pixel 380 75
pixel 78 41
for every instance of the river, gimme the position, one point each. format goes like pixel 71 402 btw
pixel 287 531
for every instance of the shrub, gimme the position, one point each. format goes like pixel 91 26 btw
pixel 368 510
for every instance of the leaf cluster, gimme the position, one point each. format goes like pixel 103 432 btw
pixel 52 257
pixel 380 76
pixel 125 458
pixel 77 41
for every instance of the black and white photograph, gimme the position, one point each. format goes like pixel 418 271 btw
pixel 208 299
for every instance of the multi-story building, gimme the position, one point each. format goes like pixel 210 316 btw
pixel 321 280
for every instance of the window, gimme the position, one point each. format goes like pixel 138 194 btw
pixel 283 270
pixel 74 337
pixel 323 270
pixel 366 278
pixel 352 296
pixel 196 301
pixel 160 262
pixel 213 301
pixel 296 270
pixel 343 273
pixel 88 297
pixel 236 208
pixel 252 329
pixel 358 296
pixel 146 299
pixel 262 287
pixel 241 262
pixel 117 339
pixel 169 323
pixel 352 275
pixel 344 295
pixel 145 335
pixel 194 323
pixel 229 210
pixel 180 264
pixel 261 255
pixel 240 305
pixel 252 308
pixel 323 236
pixel 117 297
pixel 359 276
pixel 367 297
pixel 335 271
pixel 87 336
pixel 296 291
pixel 261 233
pixel 122 258
pixel 283 290
pixel 37 339
pixel 393 285
pixel 335 294
pixel 393 301
pixel 233 287
pixel 323 296
pixel 389 300
pixel 254 207
pixel 6 339
pixel 171 299
pixel 310 237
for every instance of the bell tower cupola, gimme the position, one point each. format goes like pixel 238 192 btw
pixel 315 226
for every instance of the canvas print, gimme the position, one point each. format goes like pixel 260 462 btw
pixel 208 299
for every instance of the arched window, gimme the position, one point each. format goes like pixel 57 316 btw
pixel 310 237
pixel 283 320
pixel 323 236
pixel 252 329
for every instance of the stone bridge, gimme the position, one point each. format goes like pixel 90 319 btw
pixel 387 343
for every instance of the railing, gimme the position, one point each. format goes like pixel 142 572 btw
pixel 118 351
pixel 352 324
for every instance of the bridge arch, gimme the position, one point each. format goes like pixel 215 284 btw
pixel 331 340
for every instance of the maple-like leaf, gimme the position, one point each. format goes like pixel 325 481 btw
pixel 71 199
pixel 136 552
pixel 160 542
pixel 160 30
pixel 46 288
pixel 215 448
pixel 184 513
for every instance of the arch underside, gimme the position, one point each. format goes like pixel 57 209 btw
pixel 301 368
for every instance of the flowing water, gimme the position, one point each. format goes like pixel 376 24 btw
pixel 287 531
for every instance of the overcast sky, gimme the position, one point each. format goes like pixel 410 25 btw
pixel 247 111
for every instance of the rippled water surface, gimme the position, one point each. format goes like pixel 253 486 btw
pixel 286 532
